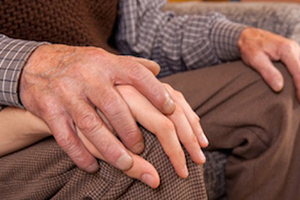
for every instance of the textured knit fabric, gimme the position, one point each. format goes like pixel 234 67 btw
pixel 280 18
pixel 44 171
pixel 177 43
pixel 84 23
pixel 24 52
pixel 239 113
pixel 207 39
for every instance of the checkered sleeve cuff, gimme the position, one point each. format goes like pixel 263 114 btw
pixel 13 56
pixel 224 37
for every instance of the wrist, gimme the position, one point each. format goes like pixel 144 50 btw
pixel 37 69
pixel 15 55
pixel 248 35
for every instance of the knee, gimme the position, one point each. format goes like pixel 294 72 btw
pixel 288 93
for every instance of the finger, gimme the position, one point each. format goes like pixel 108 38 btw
pixel 192 117
pixel 66 138
pixel 262 63
pixel 90 124
pixel 290 57
pixel 160 125
pixel 119 116
pixel 149 64
pixel 143 80
pixel 186 135
pixel 141 169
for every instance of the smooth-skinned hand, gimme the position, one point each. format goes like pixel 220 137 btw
pixel 182 126
pixel 259 48
pixel 63 85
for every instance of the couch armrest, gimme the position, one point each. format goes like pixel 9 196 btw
pixel 280 18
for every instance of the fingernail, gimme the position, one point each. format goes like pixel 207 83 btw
pixel 169 106
pixel 278 85
pixel 93 168
pixel 197 117
pixel 138 148
pixel 203 158
pixel 124 162
pixel 148 179
pixel 185 171
pixel 204 139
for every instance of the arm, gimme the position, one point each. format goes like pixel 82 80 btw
pixel 177 43
pixel 20 128
pixel 13 56
pixel 187 42
pixel 41 79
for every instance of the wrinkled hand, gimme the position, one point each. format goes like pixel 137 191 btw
pixel 181 126
pixel 63 85
pixel 259 48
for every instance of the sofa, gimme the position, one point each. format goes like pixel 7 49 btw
pixel 280 18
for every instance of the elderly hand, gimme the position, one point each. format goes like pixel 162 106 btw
pixel 259 48
pixel 63 85
pixel 181 126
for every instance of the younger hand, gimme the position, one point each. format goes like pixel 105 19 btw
pixel 181 126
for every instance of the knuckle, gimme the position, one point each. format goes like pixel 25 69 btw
pixel 191 139
pixel 104 145
pixel 131 133
pixel 95 52
pixel 155 89
pixel 136 73
pixel 178 153
pixel 289 46
pixel 255 59
pixel 112 108
pixel 178 94
pixel 130 57
pixel 51 115
pixel 195 120
pixel 68 142
pixel 110 104
pixel 107 150
pixel 168 87
pixel 168 125
pixel 179 111
pixel 88 122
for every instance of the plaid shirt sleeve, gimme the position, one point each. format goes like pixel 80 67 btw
pixel 177 43
pixel 13 56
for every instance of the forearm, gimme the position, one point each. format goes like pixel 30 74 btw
pixel 18 129
pixel 177 43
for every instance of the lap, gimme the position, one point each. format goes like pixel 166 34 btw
pixel 241 115
pixel 44 171
pixel 238 112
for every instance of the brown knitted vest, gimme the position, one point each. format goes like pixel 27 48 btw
pixel 72 22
